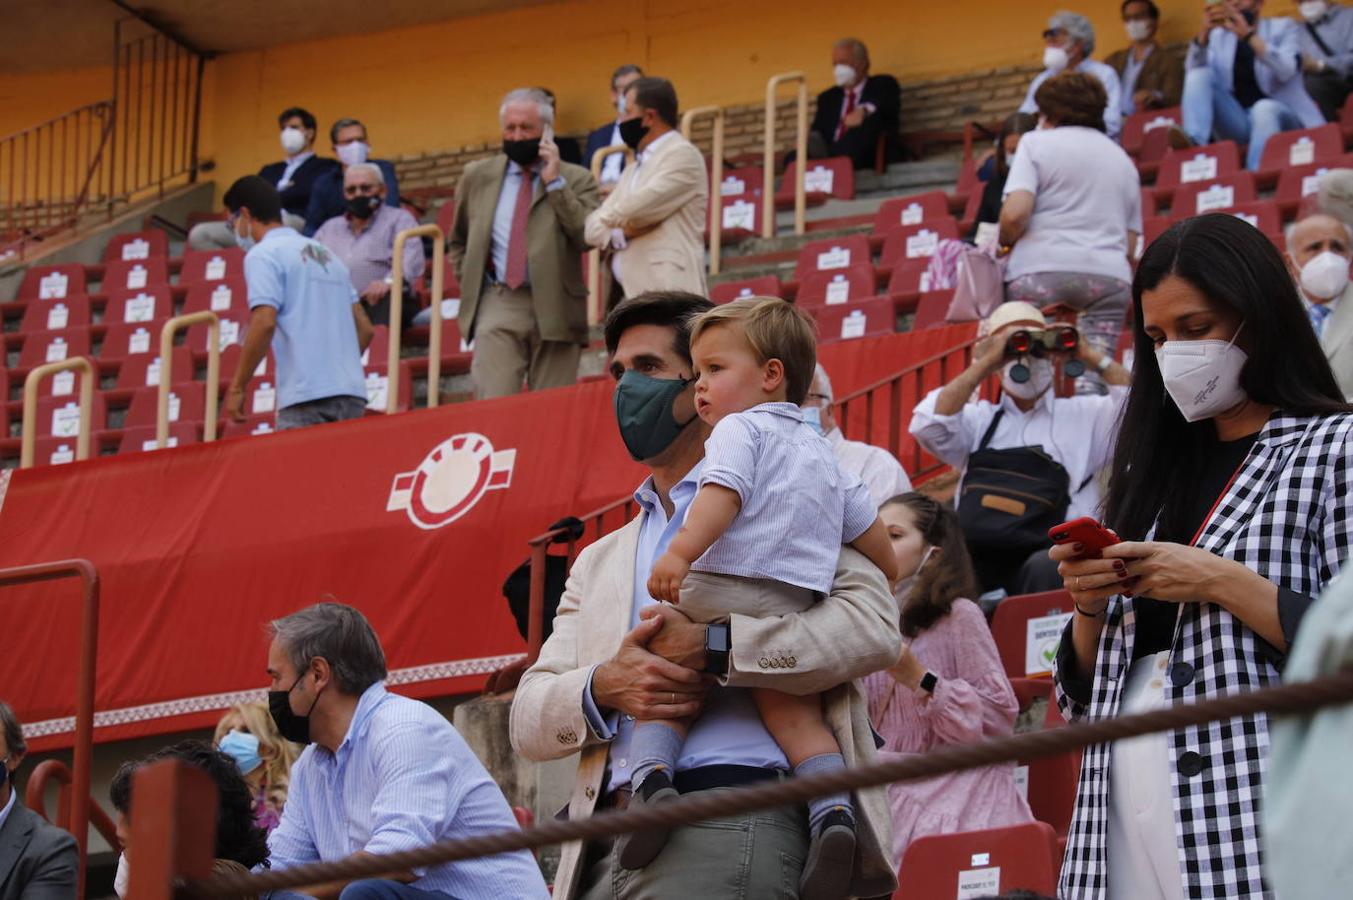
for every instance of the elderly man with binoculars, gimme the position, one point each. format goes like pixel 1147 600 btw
pixel 1030 460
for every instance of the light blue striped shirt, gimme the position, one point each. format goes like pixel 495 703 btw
pixel 798 505
pixel 402 778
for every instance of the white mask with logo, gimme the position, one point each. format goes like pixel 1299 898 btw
pixel 293 140
pixel 1055 59
pixel 1202 377
pixel 1325 276
pixel 843 74
pixel 353 153
pixel 1138 29
pixel 1312 10
pixel 1040 379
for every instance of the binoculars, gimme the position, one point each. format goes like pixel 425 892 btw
pixel 1040 343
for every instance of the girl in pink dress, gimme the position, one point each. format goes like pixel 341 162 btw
pixel 948 686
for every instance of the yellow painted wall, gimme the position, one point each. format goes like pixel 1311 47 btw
pixel 28 100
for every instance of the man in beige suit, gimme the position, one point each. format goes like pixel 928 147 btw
pixel 517 245
pixel 1319 248
pixel 653 223
pixel 616 655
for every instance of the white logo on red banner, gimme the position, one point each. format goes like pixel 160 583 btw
pixel 451 480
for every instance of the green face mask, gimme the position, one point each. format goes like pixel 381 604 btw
pixel 643 410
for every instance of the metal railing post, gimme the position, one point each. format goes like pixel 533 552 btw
pixel 397 311
pixel 174 828
pixel 715 178
pixel 172 327
pixel 28 444
pixel 594 299
pixel 801 153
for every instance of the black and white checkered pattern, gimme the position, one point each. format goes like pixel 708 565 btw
pixel 1287 516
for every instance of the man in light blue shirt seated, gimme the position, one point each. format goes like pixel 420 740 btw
pixel 384 773
pixel 302 302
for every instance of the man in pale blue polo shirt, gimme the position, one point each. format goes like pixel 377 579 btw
pixel 301 302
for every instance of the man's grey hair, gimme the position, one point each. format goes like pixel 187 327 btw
pixel 9 722
pixel 856 47
pixel 340 125
pixel 339 634
pixel 1291 229
pixel 824 383
pixel 529 95
pixel 1077 26
pixel 371 169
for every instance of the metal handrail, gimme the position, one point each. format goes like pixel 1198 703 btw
pixel 594 301
pixel 801 153
pixel 397 311
pixel 35 798
pixel 84 709
pixel 29 441
pixel 715 178
pixel 171 328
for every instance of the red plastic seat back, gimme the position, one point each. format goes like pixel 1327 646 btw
pixel 1198 164
pixel 143 370
pixel 125 339
pixel 852 284
pixel 211 266
pixel 822 178
pixel 909 278
pixel 1304 147
pixel 52 282
pixel 932 310
pixel 911 211
pixel 137 245
pixel 728 291
pixel 59 416
pixel 230 295
pixel 142 437
pixel 187 403
pixel 745 182
pixel 1214 194
pixel 43 347
pixel 152 304
pixel 910 242
pixel 979 863
pixel 1020 644
pixel 856 320
pixel 831 254
pixel 55 315
pixel 1137 126
pixel 232 327
pixel 134 275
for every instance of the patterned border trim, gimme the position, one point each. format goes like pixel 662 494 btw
pixel 168 709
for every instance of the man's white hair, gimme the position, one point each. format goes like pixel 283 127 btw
pixel 529 95
pixel 1291 230
pixel 824 383
pixel 371 169
pixel 1077 27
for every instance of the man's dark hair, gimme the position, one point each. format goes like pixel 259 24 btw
pixel 622 71
pixel 258 196
pixel 340 125
pixel 237 837
pixel 9 723
pixel 296 112
pixel 1151 9
pixel 672 309
pixel 658 95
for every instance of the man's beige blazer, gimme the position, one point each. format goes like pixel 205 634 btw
pixel 1337 342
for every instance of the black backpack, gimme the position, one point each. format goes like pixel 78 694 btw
pixel 1011 498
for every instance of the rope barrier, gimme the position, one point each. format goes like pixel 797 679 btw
pixel 1288 698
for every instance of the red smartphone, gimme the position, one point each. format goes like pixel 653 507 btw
pixel 1087 531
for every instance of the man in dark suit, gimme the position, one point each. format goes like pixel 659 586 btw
pixel 609 134
pixel 38 861
pixel 326 197
pixel 1150 76
pixel 852 115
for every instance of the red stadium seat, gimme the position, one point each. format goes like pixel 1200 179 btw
pixel 1307 146
pixel 52 282
pixel 1262 214
pixel 979 863
pixel 55 315
pixel 143 370
pixel 742 216
pixel 840 286
pixel 1215 193
pixel 233 326
pixel 909 242
pixel 857 320
pixel 909 281
pixel 728 291
pixel 1149 205
pixel 230 361
pixel 379 348
pixel 253 426
pixel 153 304
pixel 1138 125
pixel 210 266
pixel 932 310
pixel 133 275
pixel 1153 228
pixel 832 253
pixel 1051 782
pixel 745 182
pixel 378 384
pixel 126 339
pixel 446 216
pixel 137 245
pixel 228 296
pixel 911 211
pixel 43 347
pixel 1296 183
pixel 59 416
pixel 1197 164
pixel 187 403
pixel 1019 643
pixel 58 451
pixel 822 179
pixel 260 396
pixel 142 437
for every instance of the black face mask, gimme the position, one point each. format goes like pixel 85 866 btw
pixel 632 131
pixel 362 207
pixel 289 725
pixel 1250 15
pixel 523 153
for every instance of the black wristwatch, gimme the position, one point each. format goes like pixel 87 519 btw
pixel 928 682
pixel 718 644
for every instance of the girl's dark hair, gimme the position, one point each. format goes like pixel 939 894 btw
pixel 948 573
pixel 237 837
pixel 1015 123
pixel 1158 454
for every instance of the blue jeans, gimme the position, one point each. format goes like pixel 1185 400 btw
pixel 372 889
pixel 1210 107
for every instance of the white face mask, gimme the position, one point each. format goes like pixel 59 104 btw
pixel 1312 10
pixel 123 876
pixel 1203 377
pixel 621 107
pixel 1138 29
pixel 293 140
pixel 1055 59
pixel 1325 276
pixel 353 153
pixel 843 74
pixel 1040 379
pixel 903 589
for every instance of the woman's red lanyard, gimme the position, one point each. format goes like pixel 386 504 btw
pixel 1207 520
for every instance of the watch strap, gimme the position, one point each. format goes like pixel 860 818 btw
pixel 718 646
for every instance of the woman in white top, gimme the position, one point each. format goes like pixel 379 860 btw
pixel 1072 213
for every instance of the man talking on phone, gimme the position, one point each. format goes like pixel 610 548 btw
pixel 516 245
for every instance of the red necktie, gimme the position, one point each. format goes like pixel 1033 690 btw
pixel 515 276
pixel 849 108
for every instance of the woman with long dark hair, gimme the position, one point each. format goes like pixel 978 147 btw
pixel 1230 488
pixel 948 685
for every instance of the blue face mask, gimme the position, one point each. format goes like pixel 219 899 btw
pixel 243 748
pixel 244 241
pixel 812 417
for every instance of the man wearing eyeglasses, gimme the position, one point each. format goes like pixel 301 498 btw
pixel 1068 43
pixel 363 237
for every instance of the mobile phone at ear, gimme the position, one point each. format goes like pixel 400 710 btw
pixel 549 133
pixel 1087 532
